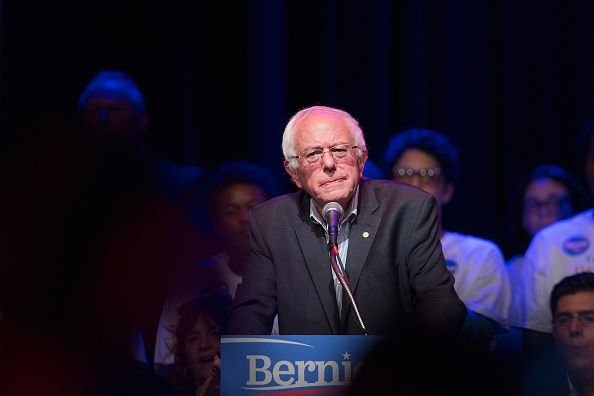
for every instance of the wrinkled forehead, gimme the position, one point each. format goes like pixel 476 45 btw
pixel 321 125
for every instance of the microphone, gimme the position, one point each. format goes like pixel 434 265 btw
pixel 332 213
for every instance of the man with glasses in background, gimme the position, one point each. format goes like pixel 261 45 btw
pixel 566 367
pixel 388 241
pixel 428 160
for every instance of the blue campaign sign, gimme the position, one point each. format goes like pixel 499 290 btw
pixel 291 365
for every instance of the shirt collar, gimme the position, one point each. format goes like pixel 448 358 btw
pixel 314 215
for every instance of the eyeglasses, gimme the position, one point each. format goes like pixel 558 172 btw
pixel 551 203
pixel 426 176
pixel 409 172
pixel 584 318
pixel 340 153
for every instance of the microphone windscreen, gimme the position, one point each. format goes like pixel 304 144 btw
pixel 332 206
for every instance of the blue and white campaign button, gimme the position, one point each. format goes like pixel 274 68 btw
pixel 576 245
pixel 451 265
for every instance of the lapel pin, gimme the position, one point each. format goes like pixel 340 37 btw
pixel 365 234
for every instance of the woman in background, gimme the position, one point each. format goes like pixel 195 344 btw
pixel 197 355
pixel 549 194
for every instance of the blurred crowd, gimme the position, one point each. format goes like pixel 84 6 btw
pixel 120 266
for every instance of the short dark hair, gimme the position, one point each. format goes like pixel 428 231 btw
pixel 577 195
pixel 433 143
pixel 240 172
pixel 584 281
pixel 115 81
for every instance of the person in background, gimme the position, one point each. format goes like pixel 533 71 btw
pixel 549 194
pixel 231 192
pixel 115 120
pixel 559 250
pixel 428 160
pixel 197 367
pixel 572 306
pixel 130 232
pixel 566 366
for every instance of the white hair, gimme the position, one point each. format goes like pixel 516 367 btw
pixel 288 145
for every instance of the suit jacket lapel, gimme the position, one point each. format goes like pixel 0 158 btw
pixel 312 241
pixel 361 237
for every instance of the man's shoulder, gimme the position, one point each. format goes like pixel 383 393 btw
pixel 281 204
pixel 471 246
pixel 470 241
pixel 383 188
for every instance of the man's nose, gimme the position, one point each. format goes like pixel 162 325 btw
pixel 415 180
pixel 244 214
pixel 328 160
pixel 575 327
pixel 206 343
pixel 545 211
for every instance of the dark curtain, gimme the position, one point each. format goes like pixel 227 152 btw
pixel 510 82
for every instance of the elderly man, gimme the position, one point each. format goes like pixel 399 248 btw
pixel 388 240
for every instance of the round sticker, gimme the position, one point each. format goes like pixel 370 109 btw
pixel 451 265
pixel 576 245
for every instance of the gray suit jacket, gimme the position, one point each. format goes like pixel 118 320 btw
pixel 395 268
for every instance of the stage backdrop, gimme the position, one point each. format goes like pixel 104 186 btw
pixel 510 82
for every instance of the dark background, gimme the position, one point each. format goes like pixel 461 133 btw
pixel 509 81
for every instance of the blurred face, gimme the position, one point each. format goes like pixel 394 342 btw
pixel 575 339
pixel 417 168
pixel 109 117
pixel 590 164
pixel 202 345
pixel 230 213
pixel 330 179
pixel 545 201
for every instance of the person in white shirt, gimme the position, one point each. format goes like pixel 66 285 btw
pixel 548 194
pixel 562 249
pixel 428 160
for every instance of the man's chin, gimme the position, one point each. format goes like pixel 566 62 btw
pixel 580 365
pixel 340 198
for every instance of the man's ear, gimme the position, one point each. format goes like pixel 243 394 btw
pixel 293 173
pixel 362 161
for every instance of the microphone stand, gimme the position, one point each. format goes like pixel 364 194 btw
pixel 337 268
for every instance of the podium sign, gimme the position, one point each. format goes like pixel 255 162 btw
pixel 291 365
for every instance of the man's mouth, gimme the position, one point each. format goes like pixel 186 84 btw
pixel 576 350
pixel 330 182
